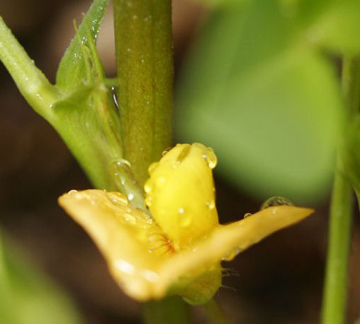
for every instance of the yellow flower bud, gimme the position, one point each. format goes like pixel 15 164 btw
pixel 180 193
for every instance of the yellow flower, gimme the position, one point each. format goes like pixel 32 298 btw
pixel 176 247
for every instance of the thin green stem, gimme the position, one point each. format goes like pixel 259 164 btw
pixel 169 310
pixel 32 83
pixel 144 56
pixel 215 313
pixel 336 279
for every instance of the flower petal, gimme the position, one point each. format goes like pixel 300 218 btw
pixel 225 241
pixel 126 237
pixel 181 194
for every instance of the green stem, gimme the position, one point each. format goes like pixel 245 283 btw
pixel 144 56
pixel 215 313
pixel 32 83
pixel 169 310
pixel 336 279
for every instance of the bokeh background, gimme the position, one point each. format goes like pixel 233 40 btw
pixel 278 281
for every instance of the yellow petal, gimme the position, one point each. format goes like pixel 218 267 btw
pixel 140 257
pixel 128 238
pixel 181 195
pixel 225 241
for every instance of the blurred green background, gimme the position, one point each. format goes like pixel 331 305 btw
pixel 259 83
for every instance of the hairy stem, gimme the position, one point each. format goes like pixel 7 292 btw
pixel 33 85
pixel 169 310
pixel 336 279
pixel 144 56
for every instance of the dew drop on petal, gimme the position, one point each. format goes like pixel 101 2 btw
pixel 211 158
pixel 167 150
pixel 210 204
pixel 130 219
pixel 184 218
pixel 152 167
pixel 147 188
pixel 208 155
pixel 276 201
pixel 148 201
pixel 117 198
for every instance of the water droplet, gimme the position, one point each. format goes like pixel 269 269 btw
pixel 130 196
pixel 114 96
pixel 152 167
pixel 167 150
pixel 123 162
pixel 247 215
pixel 184 218
pixel 77 195
pixel 148 201
pixel 276 201
pixel 147 188
pixel 117 198
pixel 130 219
pixel 210 158
pixel 210 204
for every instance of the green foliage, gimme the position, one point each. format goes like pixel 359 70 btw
pixel 75 67
pixel 80 106
pixel 89 125
pixel 27 297
pixel 260 90
pixel 351 154
pixel 86 116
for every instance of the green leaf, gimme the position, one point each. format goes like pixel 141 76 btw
pixel 88 121
pixel 268 104
pixel 27 296
pixel 75 67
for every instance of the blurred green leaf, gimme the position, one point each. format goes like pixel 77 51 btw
pixel 339 27
pixel 74 67
pixel 27 297
pixel 266 101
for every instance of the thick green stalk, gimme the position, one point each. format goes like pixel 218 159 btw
pixel 169 310
pixel 33 85
pixel 144 56
pixel 215 313
pixel 336 279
